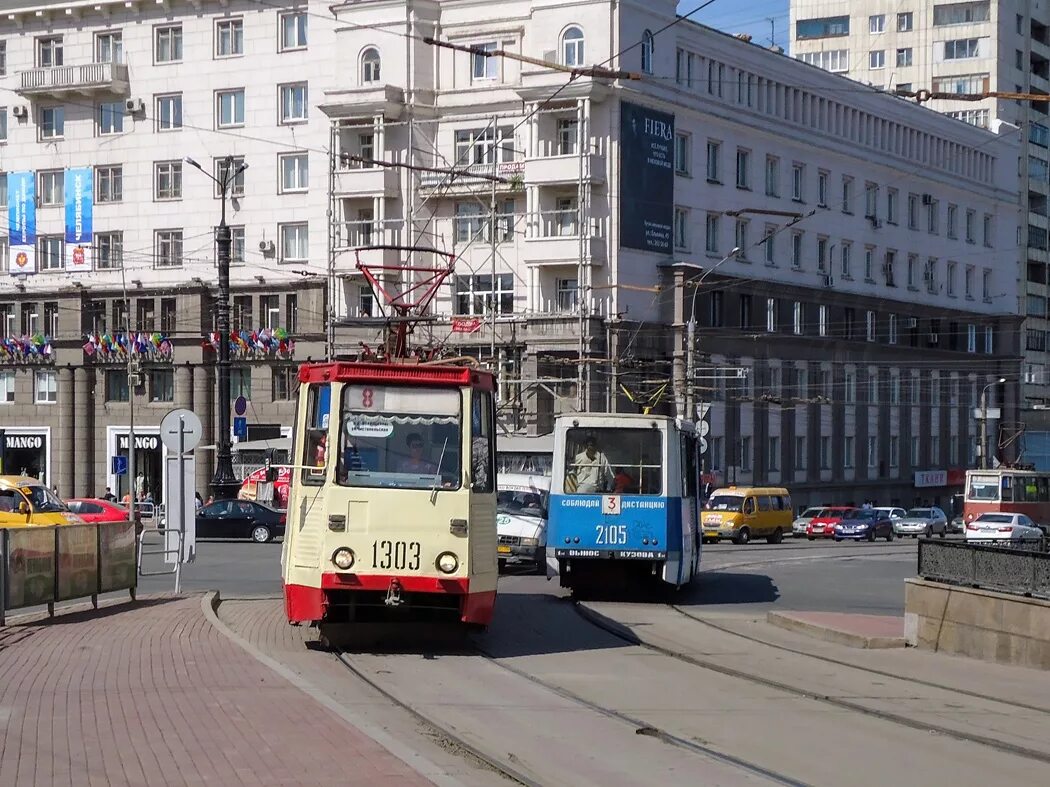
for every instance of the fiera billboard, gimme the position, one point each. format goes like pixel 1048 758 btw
pixel 646 178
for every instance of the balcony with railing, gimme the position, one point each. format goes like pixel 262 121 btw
pixel 350 235
pixel 560 163
pixel 356 179
pixel 84 78
pixel 553 238
pixel 470 177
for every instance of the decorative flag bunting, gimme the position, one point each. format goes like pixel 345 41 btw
pixel 19 349
pixel 106 347
pixel 255 344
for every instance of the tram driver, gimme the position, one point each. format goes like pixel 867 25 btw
pixel 414 463
pixel 593 471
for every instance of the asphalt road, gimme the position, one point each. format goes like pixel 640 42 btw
pixel 847 577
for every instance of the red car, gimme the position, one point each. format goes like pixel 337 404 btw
pixel 823 526
pixel 94 509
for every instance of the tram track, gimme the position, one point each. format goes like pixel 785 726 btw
pixel 502 764
pixel 866 670
pixel 629 637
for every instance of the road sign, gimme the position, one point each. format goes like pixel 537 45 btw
pixel 181 430
pixel 993 413
pixel 705 428
pixel 240 428
pixel 240 407
pixel 120 465
pixel 701 411
pixel 703 445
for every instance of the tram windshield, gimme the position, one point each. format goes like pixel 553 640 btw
pixel 984 488
pixel 399 436
pixel 621 461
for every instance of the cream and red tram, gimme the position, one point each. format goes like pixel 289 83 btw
pixel 392 505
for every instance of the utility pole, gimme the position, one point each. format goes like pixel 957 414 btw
pixel 678 368
pixel 493 305
pixel 224 483
pixel 984 421
pixel 133 379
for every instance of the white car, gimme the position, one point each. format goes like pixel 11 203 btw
pixel 996 526
pixel 521 519
pixel 892 512
pixel 798 527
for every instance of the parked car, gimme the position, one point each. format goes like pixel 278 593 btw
pixel 957 525
pixel 1002 526
pixel 521 520
pixel 893 512
pixel 864 523
pixel 922 522
pixel 823 526
pixel 798 527
pixel 95 509
pixel 240 519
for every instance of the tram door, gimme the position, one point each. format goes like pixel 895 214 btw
pixel 313 421
pixel 691 489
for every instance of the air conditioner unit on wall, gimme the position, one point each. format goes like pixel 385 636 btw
pixel 21 111
pixel 134 105
pixel 266 246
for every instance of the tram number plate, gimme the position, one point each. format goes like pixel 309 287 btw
pixel 400 555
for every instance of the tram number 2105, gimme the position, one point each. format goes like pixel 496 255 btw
pixel 400 555
pixel 611 535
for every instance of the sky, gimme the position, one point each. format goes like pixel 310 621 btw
pixel 744 16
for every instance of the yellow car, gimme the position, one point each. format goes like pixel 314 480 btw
pixel 25 502
pixel 747 512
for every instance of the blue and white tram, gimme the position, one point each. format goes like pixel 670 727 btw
pixel 624 502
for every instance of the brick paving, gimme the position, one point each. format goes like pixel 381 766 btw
pixel 153 694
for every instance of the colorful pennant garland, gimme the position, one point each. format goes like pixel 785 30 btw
pixel 19 349
pixel 255 344
pixel 109 347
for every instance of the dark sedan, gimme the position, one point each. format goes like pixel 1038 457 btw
pixel 864 523
pixel 240 519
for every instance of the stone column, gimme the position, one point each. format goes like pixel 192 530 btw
pixel 63 450
pixel 184 386
pixel 87 452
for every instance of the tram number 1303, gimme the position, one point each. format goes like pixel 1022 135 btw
pixel 400 555
pixel 611 535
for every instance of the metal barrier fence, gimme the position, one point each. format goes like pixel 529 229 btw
pixel 1022 568
pixel 44 565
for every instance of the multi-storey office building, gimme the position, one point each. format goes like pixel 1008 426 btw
pixel 959 47
pixel 120 96
pixel 873 292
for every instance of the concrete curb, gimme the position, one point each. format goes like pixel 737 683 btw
pixel 804 559
pixel 829 633
pixel 209 605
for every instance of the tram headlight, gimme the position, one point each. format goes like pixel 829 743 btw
pixel 447 563
pixel 343 558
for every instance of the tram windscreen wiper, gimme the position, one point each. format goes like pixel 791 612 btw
pixel 437 474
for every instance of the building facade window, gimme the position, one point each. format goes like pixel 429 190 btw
pixel 109 184
pixel 877 59
pixel 796 249
pixel 233 168
pixel 167 44
pixel 295 242
pixel 294 30
pixel 169 112
pixel 167 180
pixel 229 108
pixel 484 67
pixel 51 188
pixel 714 152
pixel 845 251
pixel 772 176
pixel 681 228
pixel 49 52
pixel 647 52
pixel 161 385
pixel 371 66
pixel 229 37
pixel 295 175
pixel 572 50
pixel 167 248
pixel 711 241
pixel 52 123
pixel 877 23
pixel 109 250
pixel 682 147
pixel 476 296
pixel 50 252
pixel 110 118
pixel 798 172
pixel 45 387
pixel 743 166
pixel 294 102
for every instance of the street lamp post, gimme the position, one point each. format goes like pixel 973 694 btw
pixel 224 483
pixel 984 421
pixel 690 335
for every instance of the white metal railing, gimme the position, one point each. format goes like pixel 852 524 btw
pixel 563 223
pixel 75 76
pixel 504 169
pixel 555 145
pixel 367 232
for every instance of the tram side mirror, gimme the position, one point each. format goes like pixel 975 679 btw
pixel 271 470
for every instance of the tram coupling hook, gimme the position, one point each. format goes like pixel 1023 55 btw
pixel 393 594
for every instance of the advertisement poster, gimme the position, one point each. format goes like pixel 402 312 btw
pixel 79 200
pixel 77 561
pixel 21 222
pixel 117 556
pixel 647 182
pixel 31 567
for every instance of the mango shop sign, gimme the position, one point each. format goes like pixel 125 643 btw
pixel 143 442
pixel 31 441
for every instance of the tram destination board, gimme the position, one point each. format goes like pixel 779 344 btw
pixel 612 554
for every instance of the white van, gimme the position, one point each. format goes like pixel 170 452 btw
pixel 521 519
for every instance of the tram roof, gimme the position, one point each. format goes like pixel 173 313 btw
pixel 403 373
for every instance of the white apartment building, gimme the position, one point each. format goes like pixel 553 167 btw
pixel 959 47
pixel 872 297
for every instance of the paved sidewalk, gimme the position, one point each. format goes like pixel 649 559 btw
pixel 858 631
pixel 152 693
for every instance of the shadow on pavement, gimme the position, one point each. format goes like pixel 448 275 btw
pixel 63 617
pixel 716 588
